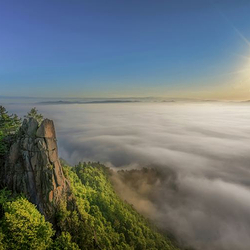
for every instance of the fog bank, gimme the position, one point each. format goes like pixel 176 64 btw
pixel 203 149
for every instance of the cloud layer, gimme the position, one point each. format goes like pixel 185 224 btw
pixel 203 151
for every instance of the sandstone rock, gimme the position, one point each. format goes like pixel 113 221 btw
pixel 32 127
pixel 33 167
pixel 46 130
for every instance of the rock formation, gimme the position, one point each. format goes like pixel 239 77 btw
pixel 32 166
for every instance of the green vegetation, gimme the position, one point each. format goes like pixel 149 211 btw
pixel 22 226
pixel 3 147
pixel 94 217
pixel 64 242
pixel 34 114
pixel 9 125
pixel 101 220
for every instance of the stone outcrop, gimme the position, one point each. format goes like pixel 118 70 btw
pixel 33 168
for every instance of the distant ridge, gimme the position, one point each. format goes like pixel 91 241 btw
pixel 88 102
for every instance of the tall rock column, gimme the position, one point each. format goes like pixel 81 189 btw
pixel 33 167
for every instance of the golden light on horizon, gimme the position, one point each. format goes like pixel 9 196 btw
pixel 241 87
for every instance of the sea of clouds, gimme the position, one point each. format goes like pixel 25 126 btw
pixel 202 149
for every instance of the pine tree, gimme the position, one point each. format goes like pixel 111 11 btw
pixel 34 114
pixel 9 125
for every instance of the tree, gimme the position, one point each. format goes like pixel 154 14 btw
pixel 34 114
pixel 3 147
pixel 64 242
pixel 9 125
pixel 2 245
pixel 24 227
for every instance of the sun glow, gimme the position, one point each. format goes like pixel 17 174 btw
pixel 243 77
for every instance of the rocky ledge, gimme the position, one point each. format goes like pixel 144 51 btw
pixel 33 168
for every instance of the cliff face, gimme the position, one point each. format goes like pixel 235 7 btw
pixel 32 166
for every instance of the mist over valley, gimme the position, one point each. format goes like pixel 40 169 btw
pixel 199 150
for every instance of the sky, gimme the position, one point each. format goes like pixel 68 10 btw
pixel 59 48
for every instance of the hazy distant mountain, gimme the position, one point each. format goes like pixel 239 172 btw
pixel 87 102
pixel 65 100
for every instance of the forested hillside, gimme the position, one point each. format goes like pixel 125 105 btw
pixel 95 218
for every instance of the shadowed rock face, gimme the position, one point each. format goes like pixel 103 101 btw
pixel 33 168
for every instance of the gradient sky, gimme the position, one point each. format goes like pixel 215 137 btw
pixel 77 48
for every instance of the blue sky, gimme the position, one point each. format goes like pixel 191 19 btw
pixel 124 48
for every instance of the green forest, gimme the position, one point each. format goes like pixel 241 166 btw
pixel 96 218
